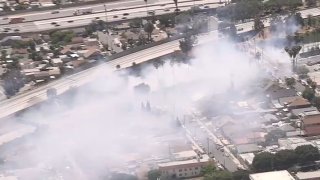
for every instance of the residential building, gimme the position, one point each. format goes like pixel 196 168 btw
pixel 310 124
pixel 293 142
pixel 247 158
pixel 273 175
pixel 184 168
pixel 247 148
pixel 297 112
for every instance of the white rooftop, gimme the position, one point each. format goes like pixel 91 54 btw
pixel 205 158
pixel 308 175
pixel 274 175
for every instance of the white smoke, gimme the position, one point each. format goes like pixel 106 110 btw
pixel 102 126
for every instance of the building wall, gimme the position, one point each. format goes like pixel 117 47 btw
pixel 183 171
pixel 312 129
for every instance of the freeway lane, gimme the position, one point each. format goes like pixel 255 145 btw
pixel 28 99
pixel 76 21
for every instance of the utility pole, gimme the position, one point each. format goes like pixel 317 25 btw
pixel 208 141
pixel 105 11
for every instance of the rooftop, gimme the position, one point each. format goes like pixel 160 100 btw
pixel 204 159
pixel 283 175
pixel 308 175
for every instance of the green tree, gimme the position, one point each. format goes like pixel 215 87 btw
pixel 263 162
pixel 311 3
pixel 154 174
pixel 241 175
pixel 209 169
pixel 308 93
pixel 148 28
pixel 218 175
pixel 316 102
pixel 258 24
pixel 273 136
pixel 122 176
pixel 285 159
pixel 290 81
pixel 307 153
pixel 176 4
pixel 187 43
pixel 3 55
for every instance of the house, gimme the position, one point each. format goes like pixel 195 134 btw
pixel 92 54
pixel 292 142
pixel 20 51
pixel 184 168
pixel 57 62
pixel 66 50
pixel 76 40
pixel 310 124
pixel 247 148
pixel 297 112
pixel 92 42
pixel 76 63
pixel 273 175
pixel 299 102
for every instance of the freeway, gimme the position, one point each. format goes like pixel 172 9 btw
pixel 110 16
pixel 30 98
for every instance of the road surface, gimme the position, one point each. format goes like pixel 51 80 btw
pixel 67 21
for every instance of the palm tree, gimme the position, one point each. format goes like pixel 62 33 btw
pixel 293 52
pixel 148 28
pixel 146 2
pixel 176 4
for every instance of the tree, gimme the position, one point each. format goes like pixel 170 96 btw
pixel 310 21
pixel 313 85
pixel 148 28
pixel 308 93
pixel 122 176
pixel 263 162
pixel 12 79
pixel 298 19
pixel 307 153
pixel 290 81
pixel 233 30
pixel 311 3
pixel 316 102
pixel 3 55
pixel 187 43
pixel 293 52
pixel 154 174
pixel 241 175
pixel 218 175
pixel 209 169
pixel 176 4
pixel 285 159
pixel 258 24
pixel 146 2
pixel 273 136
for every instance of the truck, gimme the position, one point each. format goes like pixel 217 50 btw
pixel 16 20
pixel 82 11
